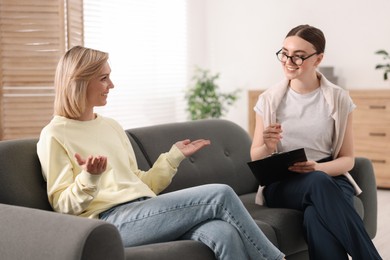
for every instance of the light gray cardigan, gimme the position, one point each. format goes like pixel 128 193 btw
pixel 337 99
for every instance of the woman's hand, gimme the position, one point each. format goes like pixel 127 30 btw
pixel 94 165
pixel 271 136
pixel 304 167
pixel 188 148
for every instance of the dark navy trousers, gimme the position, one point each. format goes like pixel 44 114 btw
pixel 333 227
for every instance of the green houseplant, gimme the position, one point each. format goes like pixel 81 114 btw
pixel 384 67
pixel 204 100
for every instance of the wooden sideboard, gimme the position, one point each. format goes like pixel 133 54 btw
pixel 372 130
pixel 371 125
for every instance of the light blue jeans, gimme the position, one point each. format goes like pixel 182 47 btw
pixel 212 214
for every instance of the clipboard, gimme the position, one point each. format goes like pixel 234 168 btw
pixel 275 167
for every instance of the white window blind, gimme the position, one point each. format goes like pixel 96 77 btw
pixel 146 41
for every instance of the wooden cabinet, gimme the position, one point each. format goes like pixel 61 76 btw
pixel 371 126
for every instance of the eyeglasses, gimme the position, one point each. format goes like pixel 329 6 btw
pixel 296 60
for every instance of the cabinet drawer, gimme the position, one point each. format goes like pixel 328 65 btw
pixel 372 111
pixel 380 158
pixel 382 174
pixel 383 182
pixel 372 137
pixel 381 165
pixel 381 170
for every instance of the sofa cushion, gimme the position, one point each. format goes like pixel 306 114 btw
pixel 142 162
pixel 286 224
pixel 184 249
pixel 224 161
pixel 21 178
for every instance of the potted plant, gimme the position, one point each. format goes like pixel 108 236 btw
pixel 204 100
pixel 385 67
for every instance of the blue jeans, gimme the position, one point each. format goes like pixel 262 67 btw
pixel 333 227
pixel 212 214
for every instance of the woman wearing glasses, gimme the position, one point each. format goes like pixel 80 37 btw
pixel 306 110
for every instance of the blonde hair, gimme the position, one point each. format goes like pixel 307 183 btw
pixel 74 71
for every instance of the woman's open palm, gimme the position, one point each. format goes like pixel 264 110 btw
pixel 93 164
pixel 188 147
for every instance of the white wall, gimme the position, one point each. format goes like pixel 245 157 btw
pixel 239 38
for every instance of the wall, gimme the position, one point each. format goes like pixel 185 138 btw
pixel 239 38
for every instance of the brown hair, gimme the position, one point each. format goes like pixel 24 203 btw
pixel 310 34
pixel 74 71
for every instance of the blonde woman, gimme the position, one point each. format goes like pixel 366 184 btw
pixel 91 171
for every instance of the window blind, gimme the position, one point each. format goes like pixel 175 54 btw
pixel 32 39
pixel 74 23
pixel 146 41
pixel 30 45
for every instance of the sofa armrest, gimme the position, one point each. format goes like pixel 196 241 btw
pixel 363 174
pixel 27 233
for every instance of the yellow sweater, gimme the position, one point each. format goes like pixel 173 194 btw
pixel 72 190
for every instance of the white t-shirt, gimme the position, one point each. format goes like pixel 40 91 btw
pixel 306 122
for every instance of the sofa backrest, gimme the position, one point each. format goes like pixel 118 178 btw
pixel 21 181
pixel 224 161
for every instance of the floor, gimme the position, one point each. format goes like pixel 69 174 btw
pixel 382 239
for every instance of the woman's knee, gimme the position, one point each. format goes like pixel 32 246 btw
pixel 319 178
pixel 221 189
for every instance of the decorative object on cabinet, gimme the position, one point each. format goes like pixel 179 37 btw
pixel 385 67
pixel 328 72
pixel 371 125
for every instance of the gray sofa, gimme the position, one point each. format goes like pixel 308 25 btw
pixel 30 230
